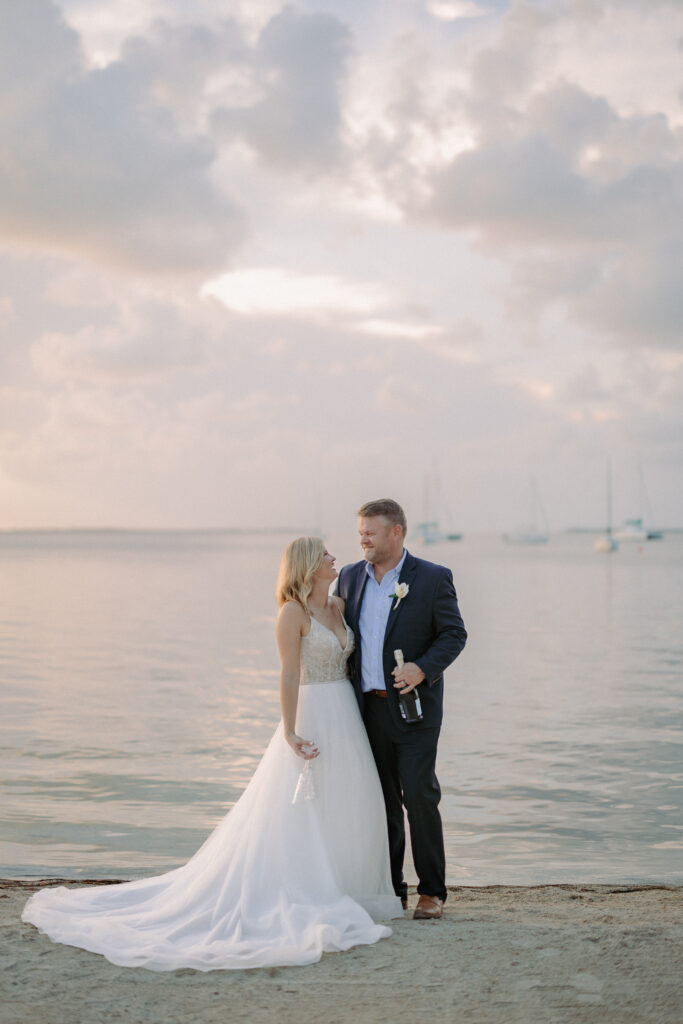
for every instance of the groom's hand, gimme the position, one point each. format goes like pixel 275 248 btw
pixel 408 677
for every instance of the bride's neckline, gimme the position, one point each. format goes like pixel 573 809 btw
pixel 322 624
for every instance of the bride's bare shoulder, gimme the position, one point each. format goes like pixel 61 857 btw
pixel 292 616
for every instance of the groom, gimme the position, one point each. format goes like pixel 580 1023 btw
pixel 426 625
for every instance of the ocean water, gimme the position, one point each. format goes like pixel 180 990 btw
pixel 139 688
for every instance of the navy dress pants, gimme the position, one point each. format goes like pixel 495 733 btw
pixel 406 761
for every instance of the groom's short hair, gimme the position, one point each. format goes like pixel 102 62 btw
pixel 388 508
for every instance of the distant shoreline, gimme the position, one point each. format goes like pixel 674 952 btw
pixel 256 530
pixel 272 530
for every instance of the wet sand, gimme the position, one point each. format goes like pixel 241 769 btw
pixel 572 954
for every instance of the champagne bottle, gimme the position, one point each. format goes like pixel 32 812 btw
pixel 408 703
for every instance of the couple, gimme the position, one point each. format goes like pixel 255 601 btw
pixel 282 880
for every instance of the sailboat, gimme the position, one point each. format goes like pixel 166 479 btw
pixel 533 533
pixel 429 530
pixel 608 543
pixel 633 529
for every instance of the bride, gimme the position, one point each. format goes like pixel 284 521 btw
pixel 300 865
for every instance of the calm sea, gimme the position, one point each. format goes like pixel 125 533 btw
pixel 139 682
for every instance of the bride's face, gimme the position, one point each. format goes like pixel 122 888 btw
pixel 326 571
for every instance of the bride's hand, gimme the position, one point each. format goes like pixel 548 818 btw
pixel 302 748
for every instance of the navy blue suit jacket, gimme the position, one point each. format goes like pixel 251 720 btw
pixel 426 626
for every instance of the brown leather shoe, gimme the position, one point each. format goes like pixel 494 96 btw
pixel 429 908
pixel 404 902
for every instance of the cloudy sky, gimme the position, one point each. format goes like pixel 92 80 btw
pixel 261 261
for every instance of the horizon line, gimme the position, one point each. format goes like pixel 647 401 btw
pixel 301 530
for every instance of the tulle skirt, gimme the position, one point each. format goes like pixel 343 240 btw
pixel 276 884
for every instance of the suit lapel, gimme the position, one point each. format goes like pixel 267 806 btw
pixel 354 595
pixel 356 591
pixel 407 576
pixel 359 590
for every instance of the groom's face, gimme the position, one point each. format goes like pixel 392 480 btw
pixel 379 540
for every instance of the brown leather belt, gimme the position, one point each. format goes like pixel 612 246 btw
pixel 377 693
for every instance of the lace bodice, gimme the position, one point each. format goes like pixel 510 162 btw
pixel 322 658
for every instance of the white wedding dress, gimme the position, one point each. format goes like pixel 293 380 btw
pixel 277 883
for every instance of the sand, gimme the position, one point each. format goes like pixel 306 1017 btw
pixel 578 954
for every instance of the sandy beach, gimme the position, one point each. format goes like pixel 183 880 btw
pixel 599 954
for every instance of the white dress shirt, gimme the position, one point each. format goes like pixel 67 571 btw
pixel 374 613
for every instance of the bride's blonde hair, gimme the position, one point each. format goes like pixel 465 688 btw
pixel 300 561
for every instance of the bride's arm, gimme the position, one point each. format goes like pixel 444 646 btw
pixel 290 621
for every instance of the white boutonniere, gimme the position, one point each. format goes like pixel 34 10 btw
pixel 400 591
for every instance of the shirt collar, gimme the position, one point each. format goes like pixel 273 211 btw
pixel 393 574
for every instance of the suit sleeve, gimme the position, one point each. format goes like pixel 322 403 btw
pixel 449 629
